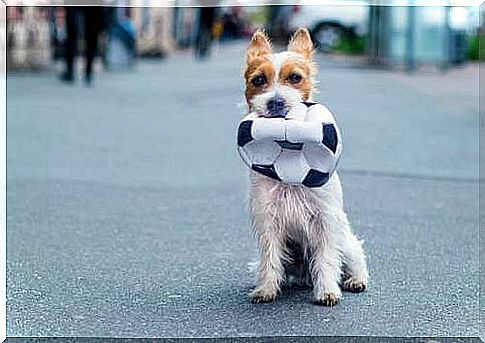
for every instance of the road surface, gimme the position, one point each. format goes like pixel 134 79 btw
pixel 126 204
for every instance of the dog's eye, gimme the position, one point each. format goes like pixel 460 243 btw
pixel 259 80
pixel 294 78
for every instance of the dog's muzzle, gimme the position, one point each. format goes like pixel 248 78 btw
pixel 276 107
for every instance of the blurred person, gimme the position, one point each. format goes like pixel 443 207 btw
pixel 120 52
pixel 58 32
pixel 93 23
pixel 233 24
pixel 278 23
pixel 128 26
pixel 119 49
pixel 203 40
pixel 217 29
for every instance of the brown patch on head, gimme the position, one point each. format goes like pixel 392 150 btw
pixel 259 71
pixel 301 43
pixel 297 74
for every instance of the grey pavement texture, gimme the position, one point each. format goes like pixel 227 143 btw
pixel 126 204
pixel 273 339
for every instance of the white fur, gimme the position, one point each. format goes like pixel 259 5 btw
pixel 322 249
pixel 277 60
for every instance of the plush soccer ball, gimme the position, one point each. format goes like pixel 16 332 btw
pixel 301 149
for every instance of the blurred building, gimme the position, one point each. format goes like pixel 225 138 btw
pixel 417 35
pixel 407 35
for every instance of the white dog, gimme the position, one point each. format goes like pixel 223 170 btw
pixel 304 235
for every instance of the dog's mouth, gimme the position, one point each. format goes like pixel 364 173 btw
pixel 275 114
pixel 272 115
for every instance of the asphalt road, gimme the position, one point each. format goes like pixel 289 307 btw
pixel 126 204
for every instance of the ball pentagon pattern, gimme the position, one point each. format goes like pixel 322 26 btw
pixel 303 148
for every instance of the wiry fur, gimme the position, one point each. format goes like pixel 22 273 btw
pixel 304 235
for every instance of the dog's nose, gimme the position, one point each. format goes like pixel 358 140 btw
pixel 276 107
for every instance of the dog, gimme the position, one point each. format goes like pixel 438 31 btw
pixel 305 238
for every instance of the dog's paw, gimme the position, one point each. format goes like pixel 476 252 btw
pixel 328 299
pixel 260 295
pixel 354 286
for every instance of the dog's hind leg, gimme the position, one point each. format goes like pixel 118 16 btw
pixel 355 267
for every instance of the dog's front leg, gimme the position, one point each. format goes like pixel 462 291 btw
pixel 326 263
pixel 355 266
pixel 271 269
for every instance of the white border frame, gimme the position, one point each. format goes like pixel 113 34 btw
pixel 162 3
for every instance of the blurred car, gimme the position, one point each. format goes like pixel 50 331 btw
pixel 329 24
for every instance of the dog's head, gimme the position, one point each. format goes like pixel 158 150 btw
pixel 277 81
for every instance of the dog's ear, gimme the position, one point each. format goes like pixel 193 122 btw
pixel 259 46
pixel 301 43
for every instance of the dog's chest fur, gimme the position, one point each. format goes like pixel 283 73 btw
pixel 288 208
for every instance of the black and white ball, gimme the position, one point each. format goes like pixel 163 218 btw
pixel 301 149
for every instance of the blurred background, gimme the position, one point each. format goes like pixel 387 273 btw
pixel 410 36
pixel 127 198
